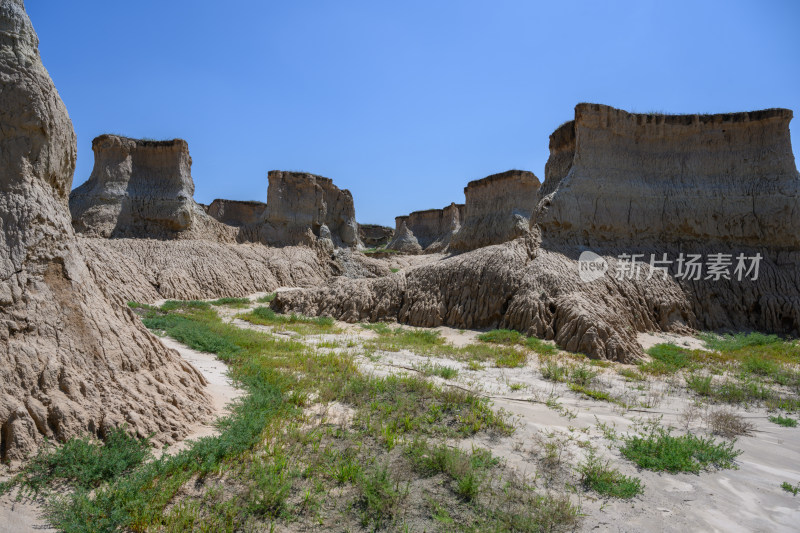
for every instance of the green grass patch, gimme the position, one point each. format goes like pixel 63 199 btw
pixel 606 481
pixel 659 450
pixel 268 469
pixel 83 462
pixel 267 298
pixel 502 336
pixel 264 316
pixel 737 341
pixel 540 347
pixel 667 359
pixel 596 394
pixel 381 328
pixel 784 421
pixel 172 305
pixel 631 375
pixel 442 371
pixel 788 487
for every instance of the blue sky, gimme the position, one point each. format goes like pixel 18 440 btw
pixel 405 102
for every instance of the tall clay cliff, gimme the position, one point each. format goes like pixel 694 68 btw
pixel 615 178
pixel 305 209
pixel 619 183
pixel 430 231
pixel 237 213
pixel 372 235
pixel 71 362
pixel 142 189
pixel 498 209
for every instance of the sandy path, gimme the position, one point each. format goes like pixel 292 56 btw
pixel 25 516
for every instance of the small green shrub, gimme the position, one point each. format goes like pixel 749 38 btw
pixel 552 371
pixel 788 487
pixel 737 341
pixel 784 421
pixel 540 347
pixel 699 384
pixel 511 359
pixel 380 497
pixel 84 462
pixel 582 375
pixel 444 372
pixel 659 450
pixel 501 336
pixel 267 298
pixel 607 481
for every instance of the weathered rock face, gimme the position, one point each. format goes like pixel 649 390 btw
pixel 404 239
pixel 373 235
pixel 689 180
pixel 430 230
pixel 71 361
pixel 514 285
pixel 305 209
pixel 236 212
pixel 498 209
pixel 142 189
pixel 615 182
pixel 146 270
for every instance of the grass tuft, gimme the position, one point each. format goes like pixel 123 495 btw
pixel 657 449
pixel 606 481
pixel 784 421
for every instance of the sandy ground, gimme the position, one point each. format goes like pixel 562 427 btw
pixel 20 517
pixel 25 516
pixel 220 388
pixel 746 499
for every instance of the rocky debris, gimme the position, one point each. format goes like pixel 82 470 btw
pixel 140 188
pixel 373 235
pixel 515 285
pixel 71 360
pixel 305 209
pixel 615 182
pixel 428 231
pixel 237 212
pixel 498 209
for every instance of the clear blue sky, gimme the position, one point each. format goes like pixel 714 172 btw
pixel 404 102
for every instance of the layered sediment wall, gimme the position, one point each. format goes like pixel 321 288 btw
pixel 678 180
pixel 237 213
pixel 498 209
pixel 373 235
pixel 143 189
pixel 430 230
pixel 305 209
pixel 621 183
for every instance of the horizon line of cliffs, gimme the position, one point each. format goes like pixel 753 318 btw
pixel 721 185
pixel 144 189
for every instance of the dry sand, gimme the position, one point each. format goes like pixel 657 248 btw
pixel 746 499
